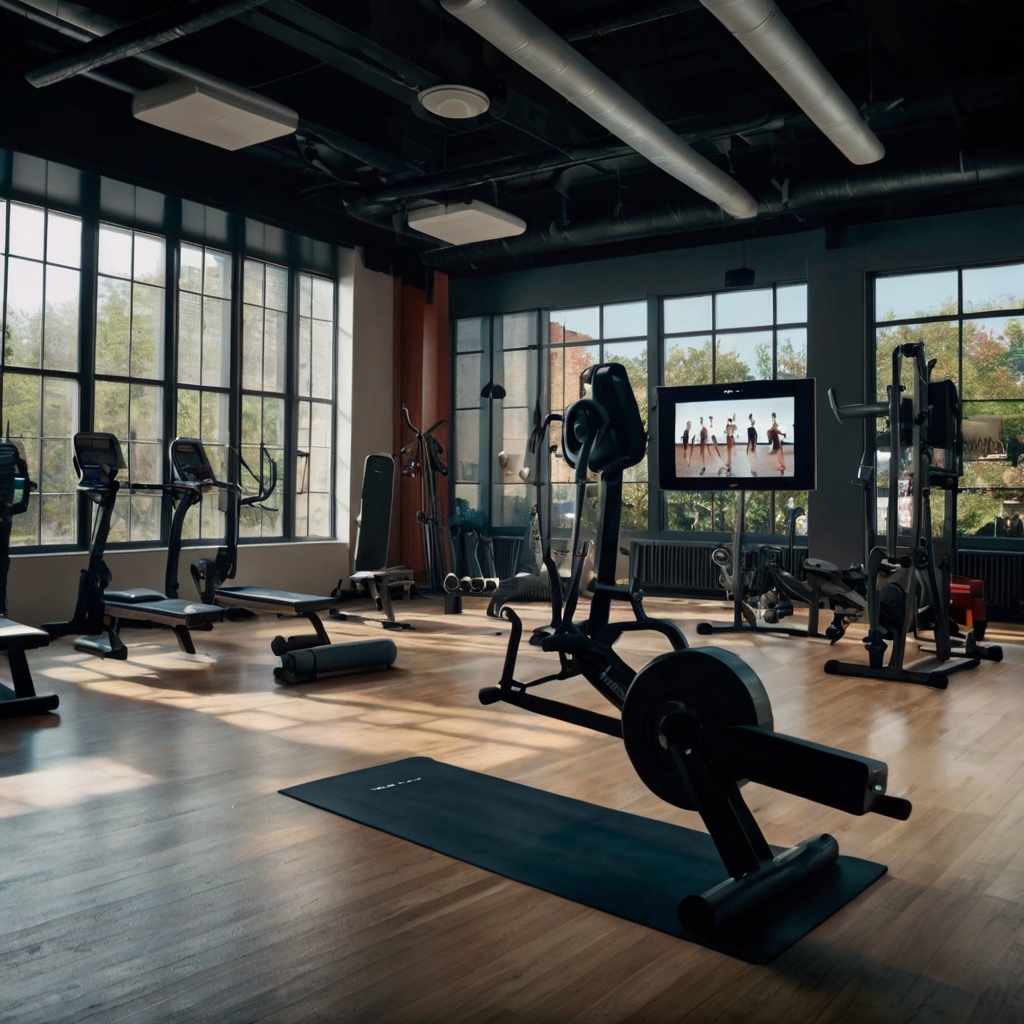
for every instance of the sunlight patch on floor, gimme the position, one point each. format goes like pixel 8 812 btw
pixel 70 783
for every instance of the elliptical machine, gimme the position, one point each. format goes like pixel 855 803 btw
pixel 602 435
pixel 696 722
pixel 908 576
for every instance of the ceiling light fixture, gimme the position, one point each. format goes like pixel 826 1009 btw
pixel 462 223
pixel 456 102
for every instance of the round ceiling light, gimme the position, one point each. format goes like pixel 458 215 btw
pixel 454 101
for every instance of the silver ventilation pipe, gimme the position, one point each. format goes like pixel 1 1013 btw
pixel 512 29
pixel 773 42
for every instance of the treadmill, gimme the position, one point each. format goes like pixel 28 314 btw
pixel 99 612
pixel 305 657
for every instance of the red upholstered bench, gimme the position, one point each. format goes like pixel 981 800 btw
pixel 967 604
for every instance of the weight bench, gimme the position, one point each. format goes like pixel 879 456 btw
pixel 282 602
pixel 378 584
pixel 22 700
pixel 145 605
pixel 309 656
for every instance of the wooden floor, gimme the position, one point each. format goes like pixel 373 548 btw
pixel 151 871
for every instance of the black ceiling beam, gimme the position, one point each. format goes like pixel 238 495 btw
pixel 469 177
pixel 140 36
pixel 365 153
pixel 358 46
pixel 353 54
pixel 598 30
pixel 601 29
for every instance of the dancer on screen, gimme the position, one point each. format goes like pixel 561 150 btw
pixel 687 447
pixel 714 441
pixel 730 441
pixel 775 436
pixel 752 445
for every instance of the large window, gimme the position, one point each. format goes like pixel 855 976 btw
pixel 130 354
pixel 314 389
pixel 472 345
pixel 970 320
pixel 614 333
pixel 117 325
pixel 750 334
pixel 264 382
pixel 204 368
pixel 40 260
pixel 491 463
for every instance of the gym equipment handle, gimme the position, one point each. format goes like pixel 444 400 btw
pixel 868 410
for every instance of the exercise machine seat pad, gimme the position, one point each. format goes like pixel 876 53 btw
pixel 275 600
pixel 137 595
pixel 16 637
pixel 819 565
pixel 170 611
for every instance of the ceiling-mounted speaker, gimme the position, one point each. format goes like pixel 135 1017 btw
pixel 223 119
pixel 739 277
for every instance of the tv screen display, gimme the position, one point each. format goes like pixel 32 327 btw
pixel 750 435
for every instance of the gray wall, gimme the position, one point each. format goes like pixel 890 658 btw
pixel 839 348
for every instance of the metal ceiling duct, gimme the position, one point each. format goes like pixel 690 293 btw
pixel 887 183
pixel 512 29
pixel 773 42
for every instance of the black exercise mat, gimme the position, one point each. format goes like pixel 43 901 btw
pixel 633 867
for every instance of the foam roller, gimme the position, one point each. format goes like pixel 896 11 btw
pixel 306 666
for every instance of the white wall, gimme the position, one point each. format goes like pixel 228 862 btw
pixel 372 373
pixel 44 587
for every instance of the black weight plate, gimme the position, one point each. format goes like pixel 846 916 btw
pixel 717 685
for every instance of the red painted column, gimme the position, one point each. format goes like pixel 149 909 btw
pixel 422 380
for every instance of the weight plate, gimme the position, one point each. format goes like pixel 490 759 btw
pixel 715 684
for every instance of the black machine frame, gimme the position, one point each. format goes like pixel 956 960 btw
pixel 909 573
pixel 20 699
pixel 696 722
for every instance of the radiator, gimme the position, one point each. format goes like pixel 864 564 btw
pixel 1003 573
pixel 672 567
pixel 680 567
pixel 506 555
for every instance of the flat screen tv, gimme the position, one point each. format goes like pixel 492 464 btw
pixel 753 435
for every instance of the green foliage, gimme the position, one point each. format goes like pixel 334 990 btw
pixel 990 377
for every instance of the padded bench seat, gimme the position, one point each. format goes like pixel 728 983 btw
pixel 16 637
pixel 169 611
pixel 274 600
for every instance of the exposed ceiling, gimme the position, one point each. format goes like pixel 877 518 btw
pixel 940 82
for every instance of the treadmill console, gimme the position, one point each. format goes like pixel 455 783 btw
pixel 190 464
pixel 98 457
